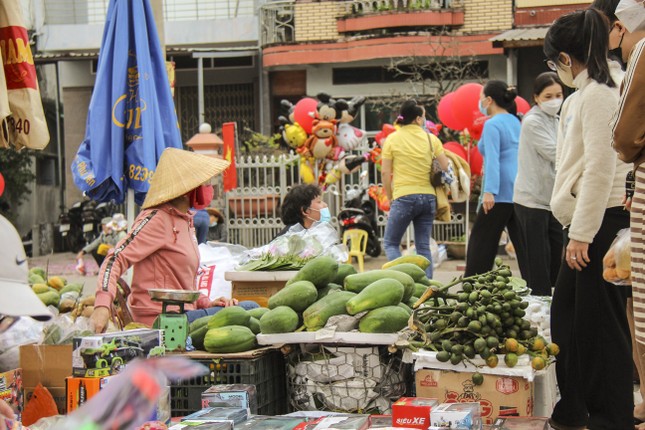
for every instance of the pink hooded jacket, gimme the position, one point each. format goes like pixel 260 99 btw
pixel 163 249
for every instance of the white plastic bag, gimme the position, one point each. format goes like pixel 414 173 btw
pixel 617 261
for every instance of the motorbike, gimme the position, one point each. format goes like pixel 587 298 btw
pixel 359 211
pixel 90 221
pixel 70 227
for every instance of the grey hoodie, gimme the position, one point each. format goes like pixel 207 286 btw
pixel 536 160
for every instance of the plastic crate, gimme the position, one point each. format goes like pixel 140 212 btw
pixel 346 378
pixel 266 372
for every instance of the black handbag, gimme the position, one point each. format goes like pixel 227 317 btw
pixel 436 179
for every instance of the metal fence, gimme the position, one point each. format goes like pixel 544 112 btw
pixel 61 12
pixel 253 208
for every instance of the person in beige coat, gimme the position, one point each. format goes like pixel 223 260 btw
pixel 588 319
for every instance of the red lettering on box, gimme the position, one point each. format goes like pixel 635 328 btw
pixel 429 381
pixel 507 386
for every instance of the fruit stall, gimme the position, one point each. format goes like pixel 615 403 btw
pixel 328 340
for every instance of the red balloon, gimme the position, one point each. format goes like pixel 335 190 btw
pixel 476 161
pixel 477 127
pixel 466 104
pixel 1 184
pixel 456 148
pixel 303 113
pixel 522 105
pixel 444 112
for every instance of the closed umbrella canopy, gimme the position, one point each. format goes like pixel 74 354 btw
pixel 131 117
pixel 22 118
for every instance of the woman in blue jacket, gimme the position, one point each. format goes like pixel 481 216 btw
pixel 498 145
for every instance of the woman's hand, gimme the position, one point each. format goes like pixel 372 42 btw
pixel 100 319
pixel 224 302
pixel 488 201
pixel 627 202
pixel 577 255
pixel 5 412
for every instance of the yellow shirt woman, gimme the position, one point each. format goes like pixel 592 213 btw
pixel 409 150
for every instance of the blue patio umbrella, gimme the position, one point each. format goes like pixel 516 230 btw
pixel 131 117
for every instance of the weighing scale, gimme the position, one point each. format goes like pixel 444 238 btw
pixel 173 324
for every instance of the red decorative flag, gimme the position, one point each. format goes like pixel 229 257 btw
pixel 229 135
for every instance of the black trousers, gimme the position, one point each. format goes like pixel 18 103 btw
pixel 484 238
pixel 542 238
pixel 589 323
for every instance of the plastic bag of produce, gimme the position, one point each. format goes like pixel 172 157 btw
pixel 617 261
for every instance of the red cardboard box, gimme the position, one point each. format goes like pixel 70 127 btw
pixel 413 412
pixel 11 390
pixel 80 390
pixel 499 396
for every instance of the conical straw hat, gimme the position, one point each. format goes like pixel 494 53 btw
pixel 179 172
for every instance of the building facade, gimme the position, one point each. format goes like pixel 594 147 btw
pixel 235 60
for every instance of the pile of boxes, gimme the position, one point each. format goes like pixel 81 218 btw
pixel 75 373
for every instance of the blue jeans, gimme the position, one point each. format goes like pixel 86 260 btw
pixel 418 209
pixel 198 313
pixel 201 220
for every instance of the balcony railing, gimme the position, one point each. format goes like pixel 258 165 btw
pixel 277 18
pixel 62 12
pixel 361 7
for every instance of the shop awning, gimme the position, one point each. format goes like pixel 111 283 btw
pixel 520 38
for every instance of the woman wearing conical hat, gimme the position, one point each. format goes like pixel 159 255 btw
pixel 161 246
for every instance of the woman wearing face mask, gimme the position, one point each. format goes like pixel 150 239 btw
pixel 407 159
pixel 303 205
pixel 161 245
pixel 588 320
pixel 627 41
pixel 217 231
pixel 541 232
pixel 498 145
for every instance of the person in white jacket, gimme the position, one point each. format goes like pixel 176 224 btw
pixel 588 317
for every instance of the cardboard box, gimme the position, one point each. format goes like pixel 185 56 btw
pixel 80 390
pixel 232 395
pixel 459 416
pixel 413 412
pixel 48 365
pixel 258 286
pixel 89 358
pixel 499 396
pixel 11 391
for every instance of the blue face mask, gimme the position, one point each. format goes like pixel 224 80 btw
pixel 325 215
pixel 213 224
pixel 482 109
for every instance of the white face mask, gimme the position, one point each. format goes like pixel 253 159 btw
pixel 566 75
pixel 551 107
pixel 632 14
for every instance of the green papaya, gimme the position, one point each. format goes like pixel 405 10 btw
pixel 298 296
pixel 315 316
pixel 281 319
pixel 413 270
pixel 356 283
pixel 320 271
pixel 344 270
pixel 233 338
pixel 328 289
pixel 388 319
pixel 384 292
pixel 257 312
pixel 232 315
pixel 254 325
